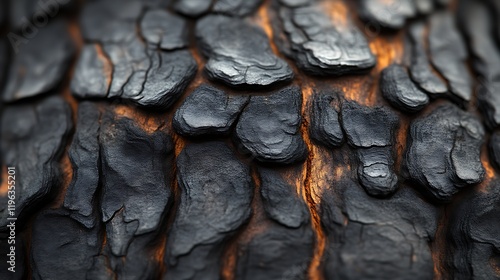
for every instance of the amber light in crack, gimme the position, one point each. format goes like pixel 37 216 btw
pixel 310 188
pixel 4 187
pixel 265 23
pixel 338 12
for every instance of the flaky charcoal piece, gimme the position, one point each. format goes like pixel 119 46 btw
pixel 443 151
pixel 216 192
pixel 371 132
pixel 33 139
pixel 164 30
pixel 367 127
pixel 420 69
pixel 283 250
pixel 110 21
pixel 296 3
pixel 375 171
pixel 473 235
pixel 269 127
pixel 62 248
pixel 397 87
pixel 449 54
pixel 135 172
pixel 488 100
pixel 324 124
pixel 84 155
pixel 208 111
pixel 321 45
pixel 372 238
pixel 239 53
pixel 193 8
pixel 391 14
pixel 92 74
pixel 281 202
pixel 236 7
pixel 40 64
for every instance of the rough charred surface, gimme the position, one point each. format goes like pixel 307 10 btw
pixel 324 124
pixel 216 192
pixel 371 132
pixel 153 75
pixel 449 54
pixel 236 7
pixel 208 111
pixel 473 233
pixel 239 58
pixel 268 128
pixel 443 152
pixel 284 249
pixel 400 91
pixel 33 139
pixel 135 171
pixel 84 155
pixel 478 26
pixel 40 64
pixel 322 45
pixel 164 30
pixel 370 238
pixel 390 14
pixel 334 163
pixel 193 8
pixel 420 69
pixel 61 240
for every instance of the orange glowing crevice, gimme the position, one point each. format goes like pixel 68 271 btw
pixel 107 65
pixel 338 12
pixel 263 20
pixel 4 187
pixel 67 171
pixel 147 122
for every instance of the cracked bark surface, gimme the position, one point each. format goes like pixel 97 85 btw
pixel 262 139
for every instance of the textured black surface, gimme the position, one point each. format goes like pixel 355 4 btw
pixel 281 139
pixel 268 128
pixel 321 45
pixel 208 111
pixel 444 151
pixel 400 91
pixel 33 139
pixel 242 57
pixel 215 202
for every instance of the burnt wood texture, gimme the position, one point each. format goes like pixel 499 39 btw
pixel 250 139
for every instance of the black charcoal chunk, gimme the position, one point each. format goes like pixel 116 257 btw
pixel 40 64
pixel 397 87
pixel 164 30
pixel 100 269
pixel 281 202
pixel 420 69
pixel 489 102
pixel 285 248
pixel 424 6
pixel 135 173
pixel 92 75
pixel 208 111
pixel 216 193
pixel 148 77
pixel 62 248
pixel 239 53
pixel 377 238
pixel 391 14
pixel 449 54
pixel 494 148
pixel 269 127
pixel 33 140
pixel 277 253
pixel 324 124
pixel 443 152
pixel 375 171
pixel 473 235
pixel 110 21
pixel 84 156
pixel 367 127
pixel 193 8
pixel 371 131
pixel 237 7
pixel 321 45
